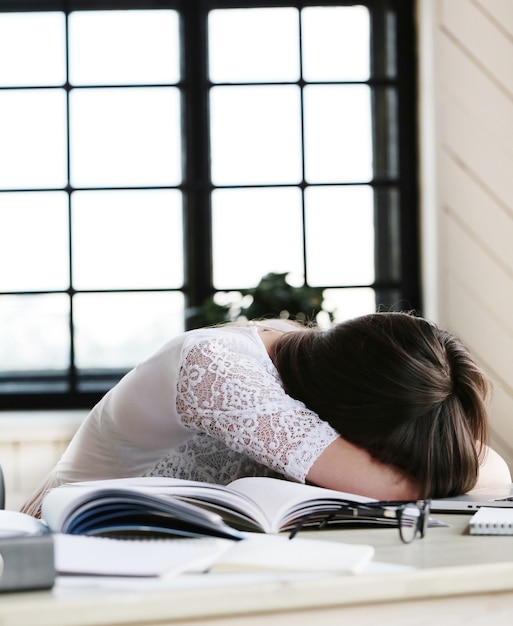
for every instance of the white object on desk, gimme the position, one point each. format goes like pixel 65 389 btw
pixel 16 524
pixel 78 554
pixel 26 553
pixel 279 553
pixel 101 556
pixel 492 521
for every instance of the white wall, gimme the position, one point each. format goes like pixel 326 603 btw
pixel 30 445
pixel 466 108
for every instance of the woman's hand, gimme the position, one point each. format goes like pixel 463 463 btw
pixel 345 467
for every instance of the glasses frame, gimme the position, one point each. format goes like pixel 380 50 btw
pixel 370 511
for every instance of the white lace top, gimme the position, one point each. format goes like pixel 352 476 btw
pixel 208 406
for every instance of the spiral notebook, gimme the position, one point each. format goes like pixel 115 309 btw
pixel 492 521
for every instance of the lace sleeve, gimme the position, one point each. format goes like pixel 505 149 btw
pixel 238 399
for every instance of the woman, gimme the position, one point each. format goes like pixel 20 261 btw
pixel 385 405
pixel 402 389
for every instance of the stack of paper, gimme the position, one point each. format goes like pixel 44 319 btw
pixel 78 554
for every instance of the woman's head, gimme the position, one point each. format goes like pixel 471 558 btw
pixel 398 386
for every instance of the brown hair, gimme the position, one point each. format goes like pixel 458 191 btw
pixel 398 386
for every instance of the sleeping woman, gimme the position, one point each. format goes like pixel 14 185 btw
pixel 386 405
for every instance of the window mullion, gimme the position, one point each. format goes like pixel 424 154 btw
pixel 395 207
pixel 408 153
pixel 196 160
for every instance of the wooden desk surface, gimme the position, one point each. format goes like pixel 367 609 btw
pixel 457 577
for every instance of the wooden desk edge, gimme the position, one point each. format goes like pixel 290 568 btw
pixel 173 606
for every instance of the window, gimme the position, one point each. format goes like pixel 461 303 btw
pixel 155 153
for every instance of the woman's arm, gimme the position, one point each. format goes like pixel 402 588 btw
pixel 227 393
pixel 345 467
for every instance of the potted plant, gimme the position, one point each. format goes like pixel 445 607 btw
pixel 273 297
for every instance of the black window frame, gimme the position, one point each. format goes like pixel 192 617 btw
pixel 398 43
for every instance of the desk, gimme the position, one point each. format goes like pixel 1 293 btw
pixel 461 579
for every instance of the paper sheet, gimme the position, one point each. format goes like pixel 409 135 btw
pixel 99 556
pixel 84 555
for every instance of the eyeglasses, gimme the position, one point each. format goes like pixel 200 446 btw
pixel 411 517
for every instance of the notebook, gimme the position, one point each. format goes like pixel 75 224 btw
pixel 492 521
pixel 498 497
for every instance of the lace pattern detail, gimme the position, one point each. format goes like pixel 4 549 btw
pixel 208 460
pixel 237 398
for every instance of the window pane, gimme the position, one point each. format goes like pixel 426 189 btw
pixel 253 45
pixel 130 47
pixel 125 137
pixel 32 49
pixel 340 235
pixel 34 241
pixel 391 300
pixel 388 246
pixel 34 332
pixel 349 303
pixel 256 135
pixel 386 159
pixel 336 43
pixel 33 139
pixel 338 140
pixel 127 239
pixel 117 330
pixel 255 231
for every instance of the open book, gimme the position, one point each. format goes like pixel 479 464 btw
pixel 174 507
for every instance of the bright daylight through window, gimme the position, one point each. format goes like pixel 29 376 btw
pixel 155 153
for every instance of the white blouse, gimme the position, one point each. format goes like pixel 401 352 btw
pixel 209 405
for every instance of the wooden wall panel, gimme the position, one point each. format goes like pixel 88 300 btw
pixel 502 429
pixel 479 212
pixel 470 265
pixel 477 92
pixel 499 11
pixel 481 36
pixel 469 143
pixel 493 347
pixel 466 59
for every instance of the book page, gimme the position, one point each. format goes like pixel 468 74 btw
pixel 271 503
pixel 63 499
pixel 282 499
pixel 60 505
